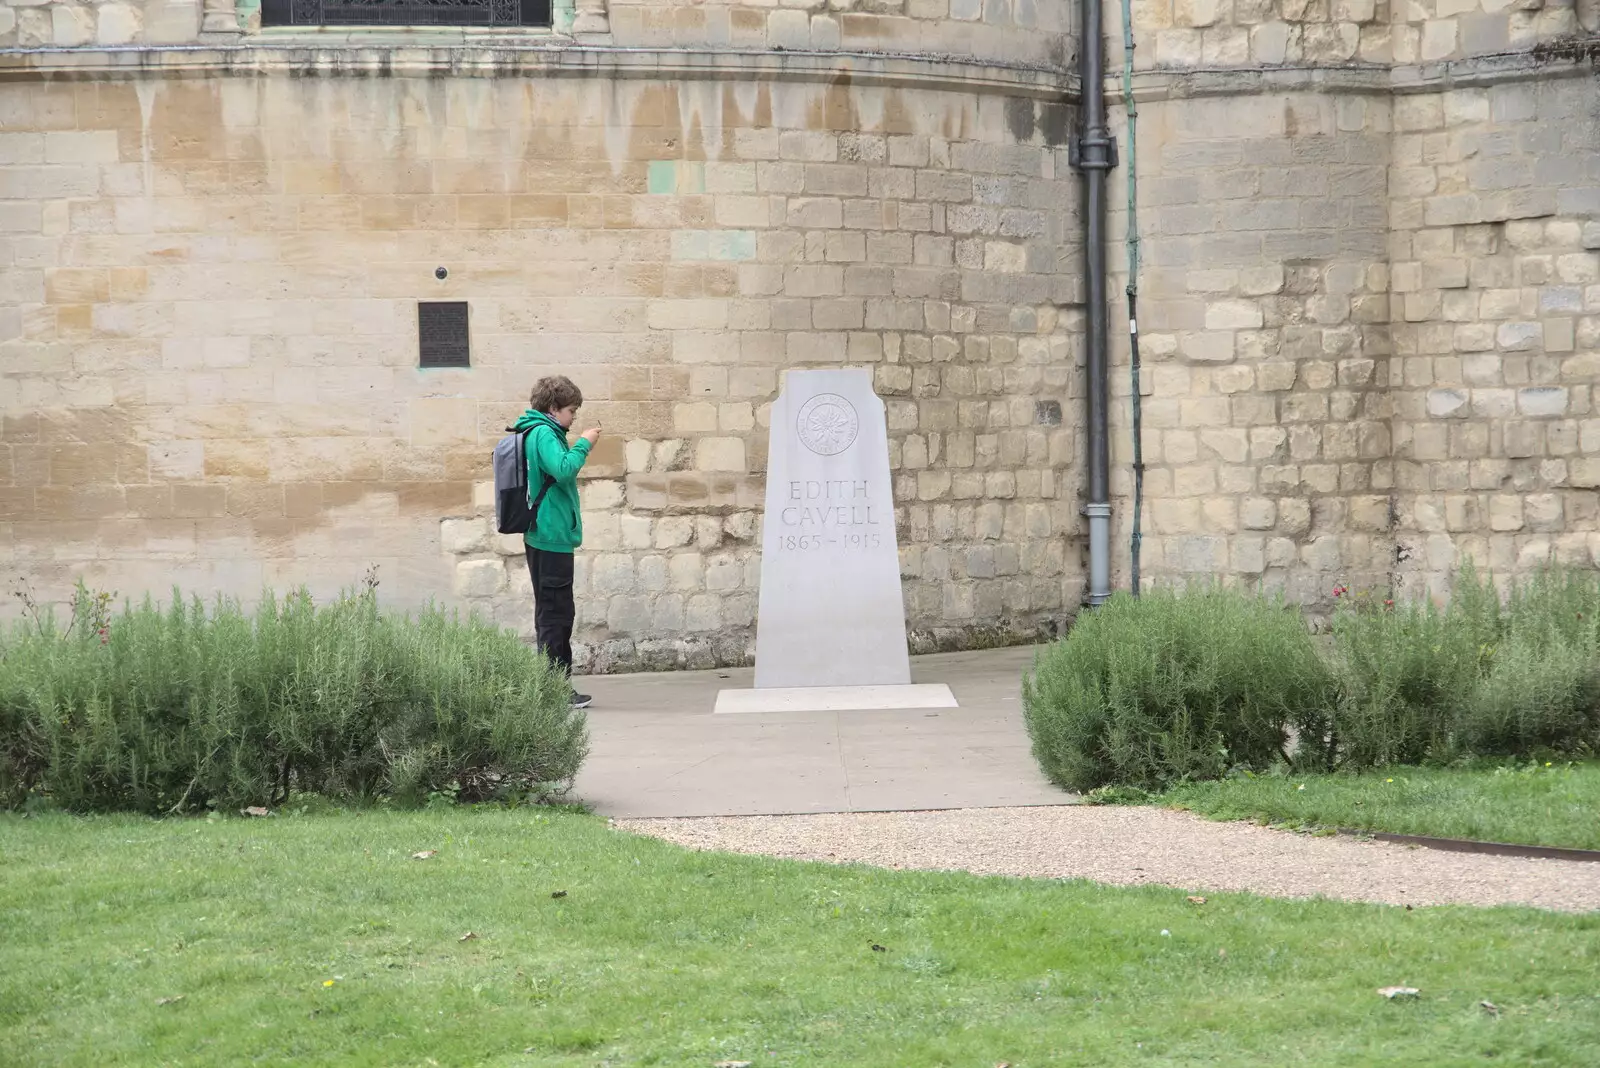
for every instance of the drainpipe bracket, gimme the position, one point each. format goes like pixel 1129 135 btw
pixel 1097 511
pixel 1092 153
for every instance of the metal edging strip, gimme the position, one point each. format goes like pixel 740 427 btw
pixel 1468 845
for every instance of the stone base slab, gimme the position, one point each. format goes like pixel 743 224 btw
pixel 835 698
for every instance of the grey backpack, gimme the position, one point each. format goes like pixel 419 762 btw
pixel 514 513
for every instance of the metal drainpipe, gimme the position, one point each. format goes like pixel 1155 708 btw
pixel 1094 152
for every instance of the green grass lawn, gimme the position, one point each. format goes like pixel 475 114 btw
pixel 317 939
pixel 1537 804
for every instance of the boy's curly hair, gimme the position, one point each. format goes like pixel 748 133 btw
pixel 555 392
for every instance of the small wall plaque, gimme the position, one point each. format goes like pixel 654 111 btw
pixel 442 333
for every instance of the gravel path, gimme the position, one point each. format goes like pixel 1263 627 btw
pixel 1134 846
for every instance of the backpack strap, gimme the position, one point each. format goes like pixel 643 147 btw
pixel 522 451
pixel 533 509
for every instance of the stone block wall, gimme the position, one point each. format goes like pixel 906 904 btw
pixel 1264 334
pixel 1224 34
pixel 1432 31
pixel 210 345
pixel 1496 280
pixel 69 23
pixel 1221 34
pixel 1330 229
pixel 1033 32
pixel 1369 300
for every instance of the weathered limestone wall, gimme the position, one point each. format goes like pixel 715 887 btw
pixel 70 23
pixel 1496 278
pixel 1430 31
pixel 1328 232
pixel 1370 296
pixel 1224 34
pixel 1015 32
pixel 1012 31
pixel 210 334
pixel 1265 340
pixel 1264 138
pixel 1221 34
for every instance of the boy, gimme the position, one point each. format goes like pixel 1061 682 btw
pixel 557 527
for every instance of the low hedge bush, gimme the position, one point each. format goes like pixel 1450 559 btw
pixel 1481 676
pixel 187 707
pixel 1177 686
pixel 1171 686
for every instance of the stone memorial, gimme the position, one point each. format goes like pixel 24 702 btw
pixel 830 628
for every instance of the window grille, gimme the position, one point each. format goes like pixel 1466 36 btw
pixel 509 13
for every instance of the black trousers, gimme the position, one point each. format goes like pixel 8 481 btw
pixel 553 611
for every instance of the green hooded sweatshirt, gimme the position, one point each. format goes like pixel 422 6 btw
pixel 558 527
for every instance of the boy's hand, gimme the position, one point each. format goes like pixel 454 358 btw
pixel 592 436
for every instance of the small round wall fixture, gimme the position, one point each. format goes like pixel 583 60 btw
pixel 441 273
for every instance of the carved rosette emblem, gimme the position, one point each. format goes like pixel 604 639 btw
pixel 827 424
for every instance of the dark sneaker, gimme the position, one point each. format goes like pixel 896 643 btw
pixel 580 700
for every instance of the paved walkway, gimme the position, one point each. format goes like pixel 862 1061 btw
pixel 657 749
